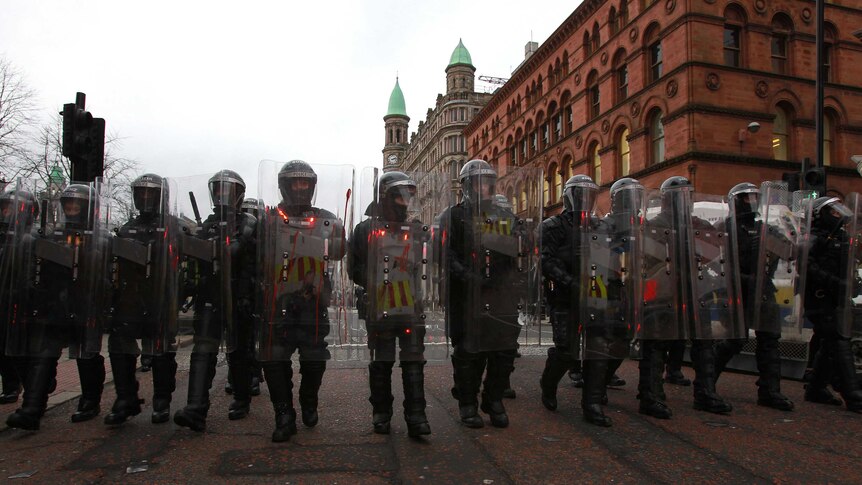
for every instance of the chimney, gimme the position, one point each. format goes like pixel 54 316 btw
pixel 530 49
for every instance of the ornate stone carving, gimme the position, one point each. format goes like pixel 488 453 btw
pixel 669 6
pixel 713 82
pixel 604 58
pixel 606 126
pixel 635 109
pixel 633 34
pixel 579 142
pixel 761 89
pixel 760 6
pixel 806 15
pixel 671 88
pixel 577 79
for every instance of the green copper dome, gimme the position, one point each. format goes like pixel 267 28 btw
pixel 56 176
pixel 396 102
pixel 460 55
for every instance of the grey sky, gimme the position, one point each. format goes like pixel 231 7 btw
pixel 194 87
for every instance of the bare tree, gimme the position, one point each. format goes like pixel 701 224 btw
pixel 17 112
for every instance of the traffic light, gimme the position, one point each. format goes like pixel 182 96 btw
pixel 815 179
pixel 792 180
pixel 83 141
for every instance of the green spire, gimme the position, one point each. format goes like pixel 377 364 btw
pixel 56 176
pixel 396 102
pixel 460 55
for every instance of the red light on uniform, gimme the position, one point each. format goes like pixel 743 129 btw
pixel 407 331
pixel 311 220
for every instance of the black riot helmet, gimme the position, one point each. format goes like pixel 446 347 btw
pixel 21 201
pixel 744 201
pixel 829 214
pixel 77 201
pixel 627 196
pixel 673 191
pixel 227 189
pixel 579 194
pixel 395 191
pixel 251 206
pixel 297 183
pixel 147 193
pixel 474 176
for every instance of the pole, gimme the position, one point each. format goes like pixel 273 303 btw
pixel 820 80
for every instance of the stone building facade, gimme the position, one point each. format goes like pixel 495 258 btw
pixel 655 88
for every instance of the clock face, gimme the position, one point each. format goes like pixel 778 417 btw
pixel 393 159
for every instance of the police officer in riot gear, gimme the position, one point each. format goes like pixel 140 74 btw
pixel 59 297
pixel 302 321
pixel 825 289
pixel 561 260
pixel 227 189
pixel 744 200
pixel 482 307
pixel 395 191
pixel 141 308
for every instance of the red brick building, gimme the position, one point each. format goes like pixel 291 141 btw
pixel 654 88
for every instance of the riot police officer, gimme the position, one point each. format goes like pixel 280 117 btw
pixel 744 202
pixel 65 291
pixel 295 310
pixel 234 233
pixel 145 302
pixel 828 289
pixel 368 254
pixel 562 258
pixel 483 302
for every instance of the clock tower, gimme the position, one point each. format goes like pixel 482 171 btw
pixel 396 121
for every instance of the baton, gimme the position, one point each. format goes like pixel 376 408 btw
pixel 195 207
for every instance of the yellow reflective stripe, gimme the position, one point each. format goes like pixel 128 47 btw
pixel 598 288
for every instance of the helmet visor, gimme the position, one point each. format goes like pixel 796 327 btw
pixel 147 199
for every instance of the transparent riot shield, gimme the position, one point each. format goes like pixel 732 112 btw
pixel 64 268
pixel 850 311
pixel 716 296
pixel 145 274
pixel 392 260
pixel 206 281
pixel 610 302
pixel 491 262
pixel 306 300
pixel 772 285
pixel 664 278
pixel 19 226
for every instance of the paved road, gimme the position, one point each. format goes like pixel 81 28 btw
pixel 754 445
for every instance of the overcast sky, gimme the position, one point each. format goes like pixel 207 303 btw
pixel 194 87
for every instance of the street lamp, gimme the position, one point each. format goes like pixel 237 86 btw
pixel 744 133
pixel 857 159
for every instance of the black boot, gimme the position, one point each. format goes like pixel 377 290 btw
pixel 555 369
pixel 91 372
pixel 705 397
pixel 595 376
pixel 164 384
pixel 613 380
pixel 312 376
pixel 650 381
pixel 508 392
pixel 39 373
pixel 500 365
pixel 675 353
pixel 821 374
pixel 239 368
pixel 127 404
pixel 576 374
pixel 413 379
pixel 467 370
pixel 768 358
pixel 285 422
pixel 380 384
pixel 10 377
pixel 724 351
pixel 845 368
pixel 201 373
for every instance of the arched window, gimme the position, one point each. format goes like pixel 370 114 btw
pixel 654 53
pixel 656 133
pixel 829 118
pixel 624 13
pixel 567 170
pixel 734 20
pixel 625 153
pixel 588 47
pixel 781 134
pixel 522 197
pixel 596 39
pixel 828 41
pixel 558 183
pixel 782 26
pixel 565 102
pixel 613 21
pixel 593 99
pixel 546 188
pixel 621 77
pixel 596 162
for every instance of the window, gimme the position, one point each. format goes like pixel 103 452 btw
pixel 654 53
pixel 558 182
pixel 780 137
pixel 828 136
pixel 781 28
pixel 613 21
pixel 621 76
pixel 656 137
pixel 828 42
pixel 597 164
pixel 534 139
pixel 734 20
pixel 545 139
pixel 558 126
pixel 624 13
pixel 588 47
pixel 546 188
pixel 595 37
pixel 593 95
pixel 569 119
pixel 625 153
